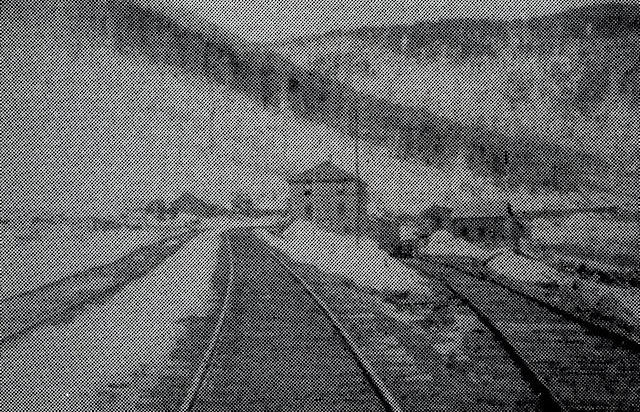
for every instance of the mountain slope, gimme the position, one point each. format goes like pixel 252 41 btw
pixel 570 79
pixel 88 127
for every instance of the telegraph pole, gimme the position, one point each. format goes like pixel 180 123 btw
pixel 358 181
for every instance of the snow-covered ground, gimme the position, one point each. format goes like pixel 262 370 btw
pixel 587 237
pixel 442 243
pixel 502 261
pixel 54 255
pixel 617 302
pixel 60 368
pixel 363 263
pixel 584 228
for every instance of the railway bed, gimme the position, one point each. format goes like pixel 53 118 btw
pixel 482 377
pixel 275 347
pixel 581 368
pixel 57 301
pixel 560 299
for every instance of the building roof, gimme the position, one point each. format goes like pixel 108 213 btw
pixel 480 210
pixel 324 172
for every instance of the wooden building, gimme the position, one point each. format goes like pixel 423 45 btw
pixel 480 222
pixel 476 222
pixel 330 197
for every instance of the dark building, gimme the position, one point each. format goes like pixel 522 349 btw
pixel 330 197
pixel 241 204
pixel 475 222
pixel 189 204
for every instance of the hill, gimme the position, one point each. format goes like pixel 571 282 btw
pixel 93 117
pixel 87 126
pixel 571 78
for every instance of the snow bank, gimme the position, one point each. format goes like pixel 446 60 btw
pixel 520 268
pixel 501 260
pixel 363 263
pixel 52 256
pixel 68 364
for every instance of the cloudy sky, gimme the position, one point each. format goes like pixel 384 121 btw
pixel 266 20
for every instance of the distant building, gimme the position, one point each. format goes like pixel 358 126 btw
pixel 187 203
pixel 481 222
pixel 330 197
pixel 475 222
pixel 384 231
pixel 242 204
pixel 433 219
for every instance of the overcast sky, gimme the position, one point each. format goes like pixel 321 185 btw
pixel 267 20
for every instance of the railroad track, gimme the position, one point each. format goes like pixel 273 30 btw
pixel 57 301
pixel 277 346
pixel 575 364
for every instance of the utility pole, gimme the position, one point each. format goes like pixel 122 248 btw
pixel 358 181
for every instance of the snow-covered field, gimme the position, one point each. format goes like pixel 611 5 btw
pixel 46 259
pixel 588 237
pixel 52 256
pixel 584 228
pixel 60 368
pixel 363 263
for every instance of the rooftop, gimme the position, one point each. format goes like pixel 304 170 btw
pixel 324 172
pixel 480 210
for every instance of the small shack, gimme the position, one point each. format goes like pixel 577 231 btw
pixel 330 197
pixel 475 222
pixel 480 221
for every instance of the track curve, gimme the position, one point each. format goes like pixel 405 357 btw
pixel 276 345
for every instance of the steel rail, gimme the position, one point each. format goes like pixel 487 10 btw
pixel 619 337
pixel 386 397
pixel 198 379
pixel 589 327
pixel 549 401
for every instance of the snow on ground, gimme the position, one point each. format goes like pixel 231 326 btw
pixel 442 243
pixel 58 368
pixel 584 228
pixel 501 261
pixel 53 256
pixel 619 303
pixel 616 302
pixel 364 263
pixel 520 268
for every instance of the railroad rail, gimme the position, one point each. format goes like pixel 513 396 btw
pixel 277 345
pixel 56 300
pixel 575 364
pixel 540 296
pixel 422 351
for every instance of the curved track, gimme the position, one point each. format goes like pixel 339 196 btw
pixel 577 365
pixel 276 346
pixel 26 311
